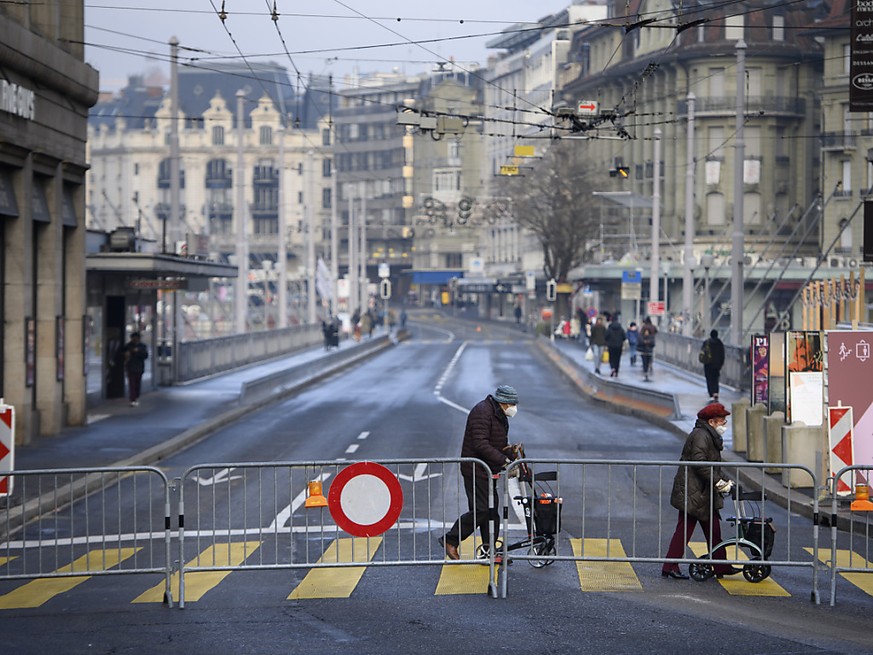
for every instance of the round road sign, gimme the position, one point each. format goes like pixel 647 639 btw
pixel 365 499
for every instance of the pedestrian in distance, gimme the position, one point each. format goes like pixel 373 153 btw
pixel 633 338
pixel 615 337
pixel 697 491
pixel 646 345
pixel 486 437
pixel 517 312
pixel 135 355
pixel 712 357
pixel 598 342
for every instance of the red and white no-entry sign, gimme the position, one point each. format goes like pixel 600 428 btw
pixel 7 447
pixel 365 499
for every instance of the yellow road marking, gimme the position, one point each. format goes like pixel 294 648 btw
pixel 846 559
pixel 464 578
pixel 6 560
pixel 37 592
pixel 604 576
pixel 338 582
pixel 737 585
pixel 197 583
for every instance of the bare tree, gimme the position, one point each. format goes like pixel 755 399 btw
pixel 552 199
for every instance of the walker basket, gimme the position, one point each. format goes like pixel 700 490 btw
pixel 547 514
pixel 761 533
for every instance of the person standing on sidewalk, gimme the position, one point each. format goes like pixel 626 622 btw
pixel 712 357
pixel 697 490
pixel 598 342
pixel 615 336
pixel 486 436
pixel 647 344
pixel 135 355
pixel 633 338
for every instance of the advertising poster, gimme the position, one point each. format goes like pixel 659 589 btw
pixel 807 398
pixel 850 369
pixel 776 387
pixel 761 369
pixel 803 354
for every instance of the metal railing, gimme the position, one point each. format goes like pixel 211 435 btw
pixel 859 533
pixel 614 507
pixel 91 522
pixel 261 520
pixel 682 351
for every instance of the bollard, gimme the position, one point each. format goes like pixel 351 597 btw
pixel 804 445
pixel 773 440
pixel 755 429
pixel 740 429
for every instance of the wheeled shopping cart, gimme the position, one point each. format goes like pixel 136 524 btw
pixel 751 532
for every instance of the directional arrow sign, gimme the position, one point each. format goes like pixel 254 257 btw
pixel 418 474
pixel 221 476
pixel 587 107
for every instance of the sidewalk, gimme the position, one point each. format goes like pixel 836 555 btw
pixel 166 420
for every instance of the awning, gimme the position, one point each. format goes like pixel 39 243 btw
pixel 435 277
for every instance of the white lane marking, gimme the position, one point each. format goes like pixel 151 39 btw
pixel 94 418
pixel 283 516
pixel 418 474
pixel 221 476
pixel 450 336
pixel 352 448
pixel 363 435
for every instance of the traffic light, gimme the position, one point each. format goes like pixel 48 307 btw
pixel 619 171
pixel 551 290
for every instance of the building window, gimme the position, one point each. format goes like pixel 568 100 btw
pixel 845 236
pixel 218 135
pixel 715 209
pixel 734 28
pixel 136 169
pixel 325 167
pixel 325 198
pixel 325 137
pixel 716 82
pixel 846 177
pixel 266 135
pixel 778 28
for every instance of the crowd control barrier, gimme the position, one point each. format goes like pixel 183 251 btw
pixel 87 522
pixel 852 547
pixel 275 515
pixel 620 511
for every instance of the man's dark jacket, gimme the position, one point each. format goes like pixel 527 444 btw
pixel 485 437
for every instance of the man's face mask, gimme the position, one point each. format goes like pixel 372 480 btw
pixel 511 411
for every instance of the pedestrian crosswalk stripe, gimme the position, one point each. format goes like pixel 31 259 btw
pixel 847 559
pixel 604 576
pixel 338 582
pixel 38 592
pixel 464 578
pixel 197 583
pixel 737 585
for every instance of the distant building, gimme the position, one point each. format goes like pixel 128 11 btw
pixel 129 180
pixel 45 95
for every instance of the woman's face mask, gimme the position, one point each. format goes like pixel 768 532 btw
pixel 510 411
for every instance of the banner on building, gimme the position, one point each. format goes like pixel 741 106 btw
pixel 761 369
pixel 861 57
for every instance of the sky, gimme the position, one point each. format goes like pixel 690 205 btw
pixel 126 37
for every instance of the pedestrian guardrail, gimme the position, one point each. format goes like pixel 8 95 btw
pixel 91 522
pixel 272 515
pixel 852 548
pixel 619 511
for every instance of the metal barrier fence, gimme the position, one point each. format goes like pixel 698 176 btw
pixel 856 557
pixel 87 522
pixel 262 522
pixel 620 511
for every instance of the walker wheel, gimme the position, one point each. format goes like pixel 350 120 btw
pixel 756 572
pixel 700 572
pixel 482 549
pixel 543 549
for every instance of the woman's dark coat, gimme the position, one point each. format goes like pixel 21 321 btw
pixel 704 444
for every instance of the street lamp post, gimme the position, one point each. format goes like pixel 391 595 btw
pixel 706 262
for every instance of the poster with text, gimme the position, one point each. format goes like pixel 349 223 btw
pixel 849 371
pixel 761 369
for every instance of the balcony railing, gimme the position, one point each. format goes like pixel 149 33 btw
pixel 754 104
pixel 838 140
